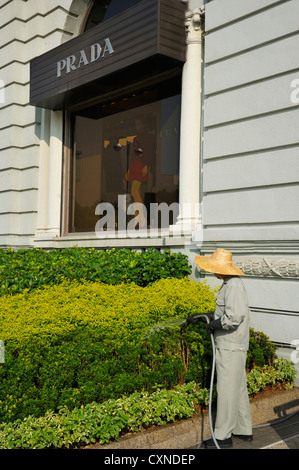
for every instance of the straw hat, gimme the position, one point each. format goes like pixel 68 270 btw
pixel 220 262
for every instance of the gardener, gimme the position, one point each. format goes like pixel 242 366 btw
pixel 230 326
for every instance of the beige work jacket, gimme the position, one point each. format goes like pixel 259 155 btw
pixel 232 309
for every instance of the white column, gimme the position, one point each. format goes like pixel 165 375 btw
pixel 43 174
pixel 50 176
pixel 190 143
pixel 55 174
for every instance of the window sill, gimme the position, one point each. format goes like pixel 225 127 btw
pixel 121 240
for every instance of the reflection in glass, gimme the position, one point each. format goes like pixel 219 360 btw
pixel 125 148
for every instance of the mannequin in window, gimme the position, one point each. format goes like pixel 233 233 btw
pixel 139 170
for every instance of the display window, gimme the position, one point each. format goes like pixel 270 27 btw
pixel 125 156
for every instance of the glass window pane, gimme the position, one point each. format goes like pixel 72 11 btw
pixel 103 10
pixel 130 149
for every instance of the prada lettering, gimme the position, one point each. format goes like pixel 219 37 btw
pixel 84 57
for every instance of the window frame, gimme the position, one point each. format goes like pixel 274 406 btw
pixel 68 166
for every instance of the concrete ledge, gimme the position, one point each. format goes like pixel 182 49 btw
pixel 188 433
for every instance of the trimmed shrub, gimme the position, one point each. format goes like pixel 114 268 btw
pixel 35 268
pixel 107 421
pixel 80 342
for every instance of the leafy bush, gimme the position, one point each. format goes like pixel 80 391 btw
pixel 76 343
pixel 261 350
pixel 282 372
pixel 107 421
pixel 103 422
pixel 35 268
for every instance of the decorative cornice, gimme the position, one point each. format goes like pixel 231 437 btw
pixel 283 268
pixel 195 26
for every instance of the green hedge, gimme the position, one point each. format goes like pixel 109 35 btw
pixel 82 363
pixel 103 422
pixel 77 332
pixel 80 342
pixel 35 268
pixel 107 421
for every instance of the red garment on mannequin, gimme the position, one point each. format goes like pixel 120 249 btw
pixel 135 171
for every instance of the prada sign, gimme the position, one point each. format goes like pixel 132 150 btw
pixel 142 41
pixel 95 52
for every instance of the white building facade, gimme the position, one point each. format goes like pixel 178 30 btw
pixel 214 87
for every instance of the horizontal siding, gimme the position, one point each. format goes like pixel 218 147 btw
pixel 19 158
pixel 25 10
pixel 14 70
pixel 252 170
pixel 16 94
pixel 234 10
pixel 26 29
pixel 258 64
pixel 16 115
pixel 269 25
pixel 22 24
pixel 270 95
pixel 17 202
pixel 252 135
pixel 22 51
pixel 251 138
pixel 37 27
pixel 22 179
pixel 17 225
pixel 256 206
pixel 18 136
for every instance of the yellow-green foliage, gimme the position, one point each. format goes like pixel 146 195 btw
pixel 61 309
pixel 80 342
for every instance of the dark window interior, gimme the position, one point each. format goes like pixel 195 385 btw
pixel 126 147
pixel 103 10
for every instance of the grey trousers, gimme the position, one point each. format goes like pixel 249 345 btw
pixel 233 409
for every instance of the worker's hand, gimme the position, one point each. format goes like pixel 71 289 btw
pixel 214 325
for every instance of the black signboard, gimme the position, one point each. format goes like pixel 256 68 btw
pixel 144 40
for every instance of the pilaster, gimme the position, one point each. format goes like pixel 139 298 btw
pixel 191 125
pixel 50 176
